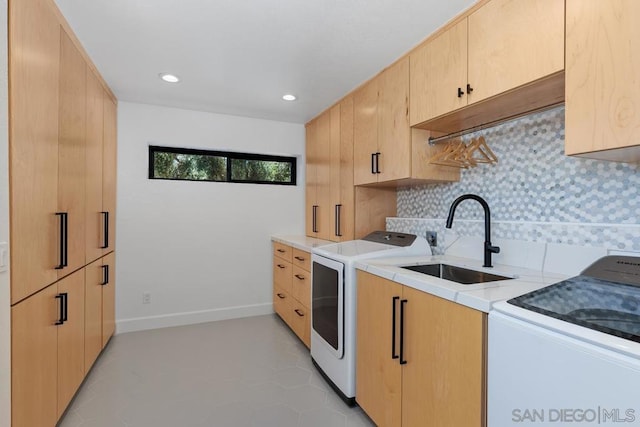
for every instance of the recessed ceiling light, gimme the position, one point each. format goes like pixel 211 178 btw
pixel 169 78
pixel 289 97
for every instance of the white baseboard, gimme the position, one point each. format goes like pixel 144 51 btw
pixel 191 317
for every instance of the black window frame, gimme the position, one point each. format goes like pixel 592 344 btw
pixel 229 156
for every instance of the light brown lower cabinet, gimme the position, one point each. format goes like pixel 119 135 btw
pixel 99 298
pixel 292 289
pixel 47 352
pixel 109 298
pixel 56 335
pixel 420 358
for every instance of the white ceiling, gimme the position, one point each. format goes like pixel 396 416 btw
pixel 239 57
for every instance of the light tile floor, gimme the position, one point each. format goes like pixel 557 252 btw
pixel 233 373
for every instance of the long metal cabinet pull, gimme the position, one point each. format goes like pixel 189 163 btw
pixel 402 305
pixel 105 216
pixel 393 328
pixel 105 275
pixel 60 320
pixel 299 313
pixel 373 162
pixel 65 305
pixel 64 239
pixel 378 162
pixel 338 232
pixel 315 218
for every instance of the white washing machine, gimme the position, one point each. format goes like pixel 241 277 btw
pixel 333 301
pixel 569 353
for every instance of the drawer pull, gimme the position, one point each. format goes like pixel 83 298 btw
pixel 281 296
pixel 281 251
pixel 299 258
pixel 299 277
pixel 299 313
pixel 281 266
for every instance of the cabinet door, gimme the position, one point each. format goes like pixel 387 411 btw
pixel 71 150
pixel 334 172
pixel 346 212
pixel 378 375
pixel 109 299
pixel 34 360
pixel 513 42
pixel 602 85
pixel 71 339
pixel 94 277
pixel 394 134
pixel 93 165
pixel 109 161
pixel 324 209
pixel 34 36
pixel 365 133
pixel 438 70
pixel 445 362
pixel 311 178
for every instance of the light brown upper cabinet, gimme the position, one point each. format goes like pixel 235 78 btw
pixel 94 147
pixel 71 153
pixel 329 186
pixel 381 127
pixel 318 211
pixel 342 190
pixel 34 35
pixel 438 75
pixel 387 151
pixel 109 163
pixel 602 118
pixel 501 46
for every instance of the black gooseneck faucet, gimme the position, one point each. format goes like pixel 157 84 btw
pixel 488 249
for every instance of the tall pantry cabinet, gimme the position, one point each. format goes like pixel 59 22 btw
pixel 62 166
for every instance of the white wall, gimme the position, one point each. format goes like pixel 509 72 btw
pixel 202 249
pixel 5 300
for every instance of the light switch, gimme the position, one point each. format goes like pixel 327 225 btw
pixel 4 256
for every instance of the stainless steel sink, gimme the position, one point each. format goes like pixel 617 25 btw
pixel 456 274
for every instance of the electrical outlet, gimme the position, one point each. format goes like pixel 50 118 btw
pixel 146 297
pixel 432 238
pixel 4 256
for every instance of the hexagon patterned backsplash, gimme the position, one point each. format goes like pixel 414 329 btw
pixel 535 192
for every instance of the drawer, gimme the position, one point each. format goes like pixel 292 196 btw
pixel 301 285
pixel 301 322
pixel 283 251
pixel 302 259
pixel 282 273
pixel 281 302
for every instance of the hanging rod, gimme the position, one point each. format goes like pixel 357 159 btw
pixel 433 141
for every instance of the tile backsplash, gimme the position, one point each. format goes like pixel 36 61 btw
pixel 535 192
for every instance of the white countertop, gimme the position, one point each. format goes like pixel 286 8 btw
pixel 303 243
pixel 478 296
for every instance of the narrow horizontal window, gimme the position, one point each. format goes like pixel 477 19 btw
pixel 204 165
